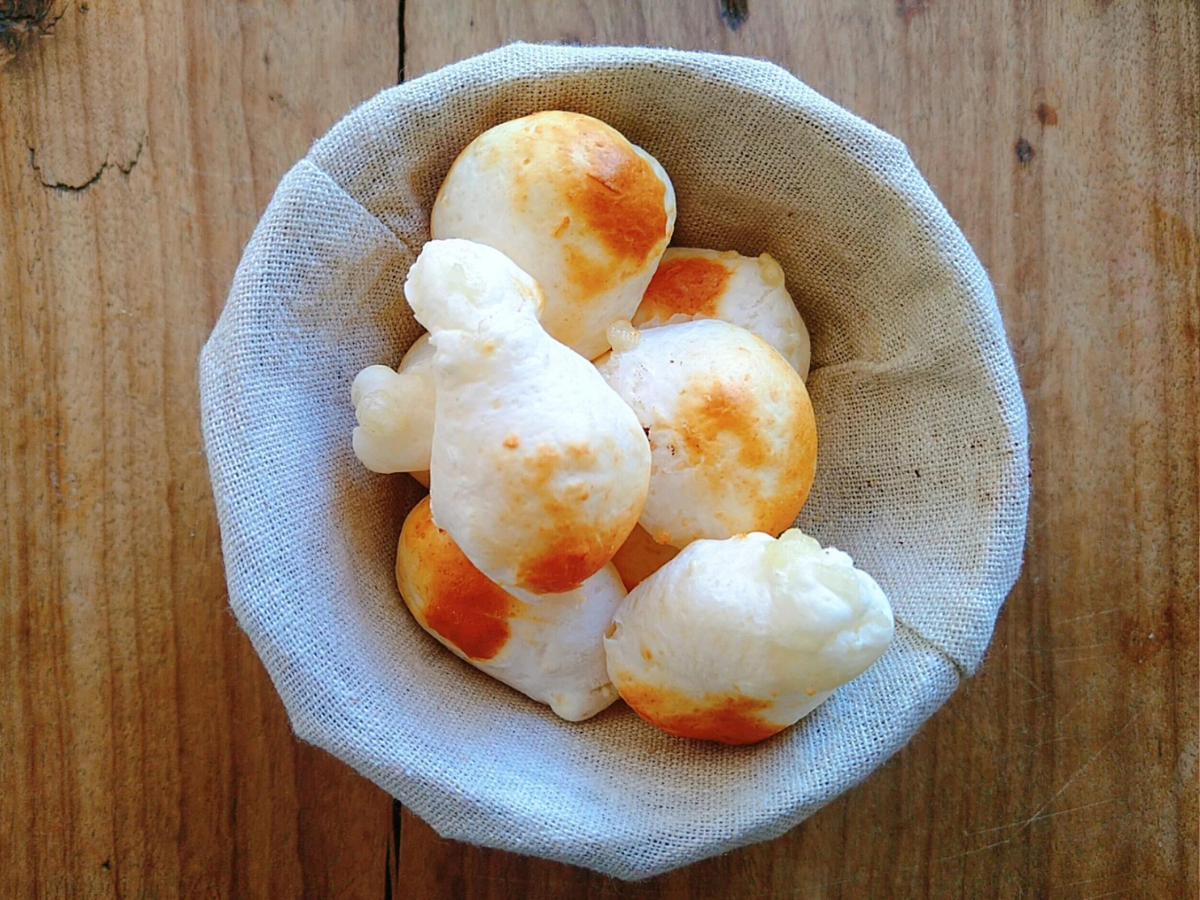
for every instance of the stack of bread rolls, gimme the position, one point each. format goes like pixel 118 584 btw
pixel 616 437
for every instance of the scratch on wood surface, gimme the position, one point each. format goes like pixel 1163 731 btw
pixel 1089 695
pixel 1055 740
pixel 1027 822
pixel 1088 657
pixel 1080 618
pixel 1029 681
pixel 1077 647
pixel 1095 756
pixel 1059 887
pixel 1108 894
pixel 954 856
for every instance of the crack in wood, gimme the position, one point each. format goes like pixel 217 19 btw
pixel 391 869
pixel 123 167
pixel 400 37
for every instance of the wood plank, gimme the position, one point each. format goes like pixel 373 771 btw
pixel 1064 139
pixel 143 748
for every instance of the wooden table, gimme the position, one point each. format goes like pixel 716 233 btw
pixel 143 751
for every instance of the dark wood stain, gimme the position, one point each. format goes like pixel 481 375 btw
pixel 1047 114
pixel 1144 637
pixel 734 13
pixel 910 9
pixel 21 21
pixel 1024 151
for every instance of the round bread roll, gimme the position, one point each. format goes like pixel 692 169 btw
pixel 575 205
pixel 549 648
pixel 706 284
pixel 732 436
pixel 395 412
pixel 735 640
pixel 538 470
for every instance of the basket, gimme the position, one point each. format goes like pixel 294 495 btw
pixel 922 473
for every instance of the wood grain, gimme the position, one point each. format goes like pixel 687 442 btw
pixel 1064 139
pixel 143 750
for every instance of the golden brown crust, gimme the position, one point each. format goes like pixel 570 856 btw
pixel 727 718
pixel 688 285
pixel 780 510
pixel 715 414
pixel 710 413
pixel 446 593
pixel 614 198
pixel 571 546
pixel 564 565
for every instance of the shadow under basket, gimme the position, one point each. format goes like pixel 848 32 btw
pixel 922 473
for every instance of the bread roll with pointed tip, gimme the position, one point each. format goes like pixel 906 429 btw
pixel 395 412
pixel 575 205
pixel 538 470
pixel 549 648
pixel 707 284
pixel 735 640
pixel 732 436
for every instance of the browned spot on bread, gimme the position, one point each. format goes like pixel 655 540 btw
pixel 543 465
pixel 512 442
pixel 595 172
pixel 446 593
pixel 739 445
pixel 711 412
pixel 572 545
pixel 583 455
pixel 588 276
pixel 776 511
pixel 621 199
pixel 690 285
pixel 565 564
pixel 780 512
pixel 727 718
pixel 562 226
pixel 640 557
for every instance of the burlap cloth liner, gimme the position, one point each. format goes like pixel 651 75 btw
pixel 922 471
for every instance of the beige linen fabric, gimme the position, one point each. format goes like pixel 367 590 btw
pixel 922 474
